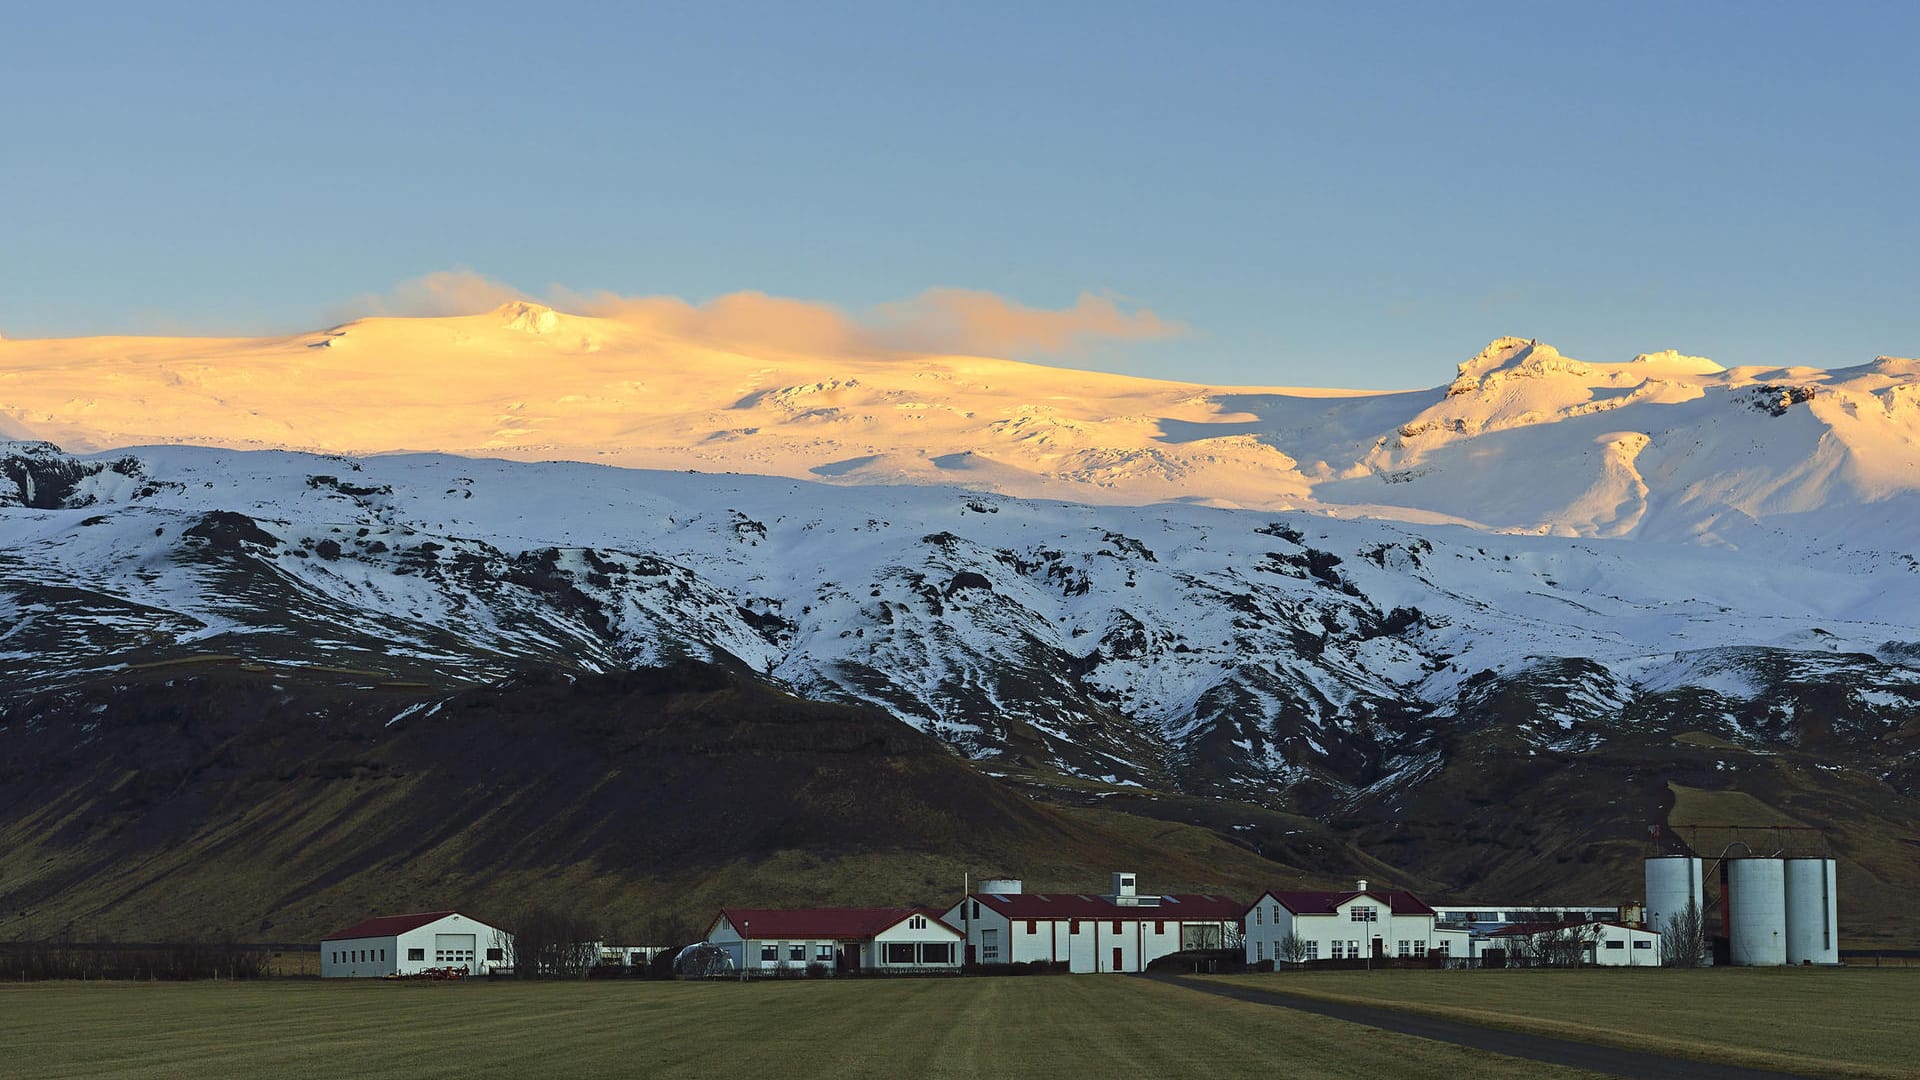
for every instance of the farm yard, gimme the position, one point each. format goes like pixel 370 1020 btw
pixel 1834 1023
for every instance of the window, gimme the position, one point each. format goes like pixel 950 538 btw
pixel 900 952
pixel 823 953
pixel 1339 950
pixel 1073 927
pixel 797 953
pixel 1313 950
pixel 1033 926
pixel 989 946
pixel 1405 948
pixel 1419 948
pixel 1363 913
pixel 383 955
pixel 1353 950
pixel 976 909
pixel 421 954
pixel 1443 947
pixel 1159 926
pixel 938 952
pixel 1276 914
pixel 1616 944
pixel 1259 915
pixel 1643 944
pixel 770 954
pixel 917 922
pixel 1116 926
pixel 493 954
pixel 1260 950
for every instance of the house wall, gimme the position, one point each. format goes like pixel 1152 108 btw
pixel 903 933
pixel 364 958
pixel 1620 946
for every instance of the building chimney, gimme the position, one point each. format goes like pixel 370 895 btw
pixel 1363 884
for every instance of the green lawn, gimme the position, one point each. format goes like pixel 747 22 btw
pixel 1827 1021
pixel 1068 1025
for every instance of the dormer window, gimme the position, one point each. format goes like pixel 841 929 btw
pixel 1363 913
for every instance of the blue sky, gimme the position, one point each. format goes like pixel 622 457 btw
pixel 1355 195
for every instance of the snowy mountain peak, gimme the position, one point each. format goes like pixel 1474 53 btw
pixel 528 318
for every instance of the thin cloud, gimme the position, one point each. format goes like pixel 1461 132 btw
pixel 941 320
pixel 972 321
pixel 459 291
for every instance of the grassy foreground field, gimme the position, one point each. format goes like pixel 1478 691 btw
pixel 1059 1026
pixel 1824 1021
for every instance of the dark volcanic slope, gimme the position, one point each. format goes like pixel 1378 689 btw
pixel 214 799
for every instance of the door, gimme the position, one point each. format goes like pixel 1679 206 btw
pixel 1118 963
pixel 1379 949
pixel 850 956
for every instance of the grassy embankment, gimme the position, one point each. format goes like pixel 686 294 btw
pixel 1821 1022
pixel 1085 1025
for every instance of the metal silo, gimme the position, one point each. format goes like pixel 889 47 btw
pixel 1813 932
pixel 1757 912
pixel 1672 881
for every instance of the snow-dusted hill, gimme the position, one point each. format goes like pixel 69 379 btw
pixel 1298 655
pixel 1522 439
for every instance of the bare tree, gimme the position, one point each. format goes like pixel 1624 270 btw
pixel 1291 948
pixel 547 942
pixel 1683 940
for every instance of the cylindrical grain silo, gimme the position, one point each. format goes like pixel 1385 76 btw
pixel 1813 932
pixel 1757 912
pixel 1001 886
pixel 1673 881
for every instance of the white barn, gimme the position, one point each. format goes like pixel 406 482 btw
pixel 410 944
pixel 1353 924
pixel 1120 931
pixel 843 939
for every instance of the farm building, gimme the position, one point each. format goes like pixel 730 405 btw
pixel 842 939
pixel 1354 924
pixel 1569 944
pixel 410 944
pixel 1118 931
pixel 1485 917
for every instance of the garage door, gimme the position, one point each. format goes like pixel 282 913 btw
pixel 453 949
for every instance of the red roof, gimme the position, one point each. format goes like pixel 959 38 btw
pixel 1309 902
pixel 389 925
pixel 1174 907
pixel 839 924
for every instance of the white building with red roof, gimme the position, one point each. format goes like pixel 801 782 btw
pixel 768 940
pixel 1349 924
pixel 1121 930
pixel 410 944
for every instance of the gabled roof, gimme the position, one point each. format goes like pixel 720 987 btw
pixel 1312 902
pixel 389 925
pixel 1188 907
pixel 840 924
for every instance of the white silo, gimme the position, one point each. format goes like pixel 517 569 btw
pixel 1757 912
pixel 1673 881
pixel 1001 887
pixel 1813 931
